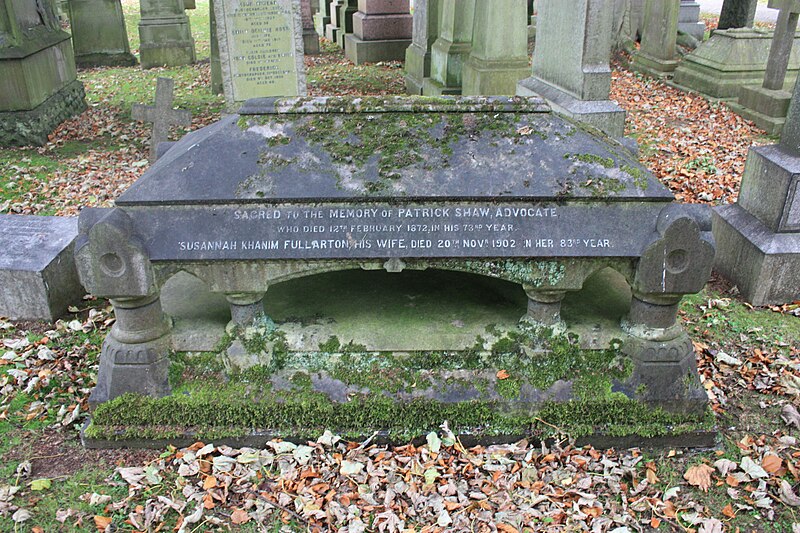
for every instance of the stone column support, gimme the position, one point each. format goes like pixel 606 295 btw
pixel 544 308
pixel 246 308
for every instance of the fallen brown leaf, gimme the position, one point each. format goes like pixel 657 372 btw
pixel 699 476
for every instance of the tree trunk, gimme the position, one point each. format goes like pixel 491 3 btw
pixel 737 14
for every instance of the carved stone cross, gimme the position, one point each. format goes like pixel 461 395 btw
pixel 161 115
pixel 782 42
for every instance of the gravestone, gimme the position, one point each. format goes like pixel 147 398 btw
pixel 322 17
pixel 451 48
pixel 758 237
pixel 689 20
pixel 261 49
pixel 737 14
pixel 98 34
pixel 344 17
pixel 216 66
pixel 767 105
pixel 571 63
pixel 380 189
pixel 498 58
pixel 38 279
pixel 310 38
pixel 164 34
pixel 381 31
pixel 332 29
pixel 161 115
pixel 38 85
pixel 657 54
pixel 424 34
pixel 729 60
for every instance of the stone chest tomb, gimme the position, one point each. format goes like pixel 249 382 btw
pixel 443 196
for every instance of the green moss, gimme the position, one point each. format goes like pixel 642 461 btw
pixel 508 388
pixel 639 176
pixel 605 162
pixel 524 271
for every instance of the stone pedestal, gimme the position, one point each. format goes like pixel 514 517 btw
pixel 165 35
pixel 571 69
pixel 381 31
pixel 729 60
pixel 310 37
pixel 767 108
pixel 689 20
pixel 451 48
pixel 344 17
pixel 499 55
pixel 424 34
pixel 38 86
pixel 98 34
pixel 656 56
pixel 322 17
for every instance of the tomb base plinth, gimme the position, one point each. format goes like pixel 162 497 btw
pixel 33 127
pixel 359 51
pixel 766 108
pixel 166 41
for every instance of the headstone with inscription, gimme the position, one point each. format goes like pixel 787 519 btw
pixel 261 48
pixel 381 31
pixel 493 187
pixel 759 236
pixel 38 82
pixel 38 279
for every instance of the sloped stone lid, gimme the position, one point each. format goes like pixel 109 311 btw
pixel 403 148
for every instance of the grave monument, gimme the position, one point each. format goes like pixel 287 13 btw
pixel 737 14
pixel 689 20
pixel 98 34
pixel 759 236
pixel 165 34
pixel 322 17
pixel 766 105
pixel 571 63
pixel 310 37
pixel 38 85
pixel 424 34
pixel 161 115
pixel 498 58
pixel 344 17
pixel 451 48
pixel 455 193
pixel 332 29
pixel 381 31
pixel 657 54
pixel 261 49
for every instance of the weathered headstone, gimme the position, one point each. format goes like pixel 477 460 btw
pixel 381 31
pixel 161 115
pixel 424 34
pixel 498 58
pixel 38 85
pixel 344 17
pixel 571 63
pixel 737 14
pixel 261 49
pixel 729 60
pixel 689 20
pixel 322 17
pixel 332 29
pixel 98 34
pixel 164 34
pixel 293 188
pixel 451 48
pixel 767 105
pixel 310 37
pixel 38 279
pixel 657 55
pixel 758 237
pixel 216 67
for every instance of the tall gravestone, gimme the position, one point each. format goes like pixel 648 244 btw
pixel 261 49
pixel 38 85
pixel 657 54
pixel 730 60
pixel 332 29
pixel 424 34
pixel 452 47
pixel 310 38
pixel 571 63
pixel 98 34
pixel 216 66
pixel 344 17
pixel 381 31
pixel 689 20
pixel 322 17
pixel 766 105
pixel 758 237
pixel 737 14
pixel 165 34
pixel 499 55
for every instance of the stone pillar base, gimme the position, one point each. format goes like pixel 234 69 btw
pixel 767 108
pixel 310 42
pixel 331 32
pixel 431 87
pixel 653 66
pixel 418 64
pixel 604 115
pixel 24 128
pixel 359 51
pixel 166 42
pixel 764 265
pixel 493 77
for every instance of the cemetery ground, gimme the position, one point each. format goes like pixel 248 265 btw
pixel 749 361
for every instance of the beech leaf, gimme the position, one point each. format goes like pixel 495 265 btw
pixel 699 476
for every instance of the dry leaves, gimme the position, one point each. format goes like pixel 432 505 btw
pixel 699 476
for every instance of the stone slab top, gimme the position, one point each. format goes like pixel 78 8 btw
pixel 402 149
pixel 31 243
